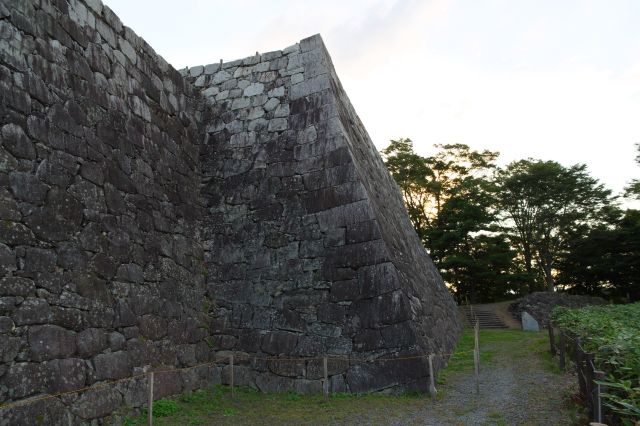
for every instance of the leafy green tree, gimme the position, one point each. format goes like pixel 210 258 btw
pixel 450 198
pixel 606 260
pixel 412 174
pixel 633 190
pixel 545 205
pixel 450 183
pixel 485 272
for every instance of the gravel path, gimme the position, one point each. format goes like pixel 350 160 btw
pixel 516 388
pixel 510 393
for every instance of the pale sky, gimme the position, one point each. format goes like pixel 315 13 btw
pixel 553 80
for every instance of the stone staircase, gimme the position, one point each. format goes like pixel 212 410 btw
pixel 486 317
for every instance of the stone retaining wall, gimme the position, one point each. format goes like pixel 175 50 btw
pixel 308 246
pixel 100 266
pixel 150 220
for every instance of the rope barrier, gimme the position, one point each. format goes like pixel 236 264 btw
pixel 57 395
pixel 353 360
pixel 105 384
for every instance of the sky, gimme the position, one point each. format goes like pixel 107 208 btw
pixel 551 80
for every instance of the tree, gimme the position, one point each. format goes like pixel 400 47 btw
pixel 485 271
pixel 633 190
pixel 545 205
pixel 454 175
pixel 412 174
pixel 450 200
pixel 606 260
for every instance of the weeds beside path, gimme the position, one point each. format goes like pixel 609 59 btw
pixel 519 385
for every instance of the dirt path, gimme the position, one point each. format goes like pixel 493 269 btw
pixel 518 386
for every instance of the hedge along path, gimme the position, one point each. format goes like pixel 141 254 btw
pixel 105 384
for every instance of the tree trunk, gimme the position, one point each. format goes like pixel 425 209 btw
pixel 551 284
pixel 548 276
pixel 528 265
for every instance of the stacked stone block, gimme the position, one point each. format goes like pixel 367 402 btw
pixel 100 266
pixel 152 220
pixel 309 249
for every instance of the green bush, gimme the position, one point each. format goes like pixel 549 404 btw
pixel 612 334
pixel 165 408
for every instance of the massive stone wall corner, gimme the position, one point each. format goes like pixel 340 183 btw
pixel 160 219
pixel 308 245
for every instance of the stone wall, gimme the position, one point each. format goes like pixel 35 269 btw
pixel 152 220
pixel 100 266
pixel 308 247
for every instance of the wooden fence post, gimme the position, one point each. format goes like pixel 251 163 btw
pixel 598 375
pixel 233 392
pixel 582 379
pixel 590 385
pixel 552 340
pixel 150 401
pixel 562 351
pixel 325 380
pixel 432 382
pixel 476 356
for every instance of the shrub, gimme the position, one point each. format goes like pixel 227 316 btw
pixel 612 334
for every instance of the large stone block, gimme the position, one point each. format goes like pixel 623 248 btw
pixel 16 142
pixel 115 365
pixel 65 375
pixel 95 403
pixel 90 342
pixel 24 379
pixel 50 342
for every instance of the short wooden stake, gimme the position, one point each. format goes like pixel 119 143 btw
pixel 150 401
pixel 552 341
pixel 476 357
pixel 563 349
pixel 432 382
pixel 581 368
pixel 233 391
pixel 598 375
pixel 590 388
pixel 325 380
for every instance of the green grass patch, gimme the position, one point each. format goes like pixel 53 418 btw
pixel 519 344
pixel 249 406
pixel 165 408
pixel 496 419
pixel 216 406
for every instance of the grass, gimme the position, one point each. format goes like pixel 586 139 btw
pixel 496 418
pixel 519 344
pixel 216 406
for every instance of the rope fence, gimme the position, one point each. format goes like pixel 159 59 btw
pixel 245 359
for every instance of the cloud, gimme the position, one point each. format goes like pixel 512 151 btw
pixel 359 34
pixel 530 80
pixel 579 115
pixel 398 33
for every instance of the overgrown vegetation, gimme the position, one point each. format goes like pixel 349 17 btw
pixel 612 333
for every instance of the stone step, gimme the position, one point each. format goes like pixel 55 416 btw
pixel 486 318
